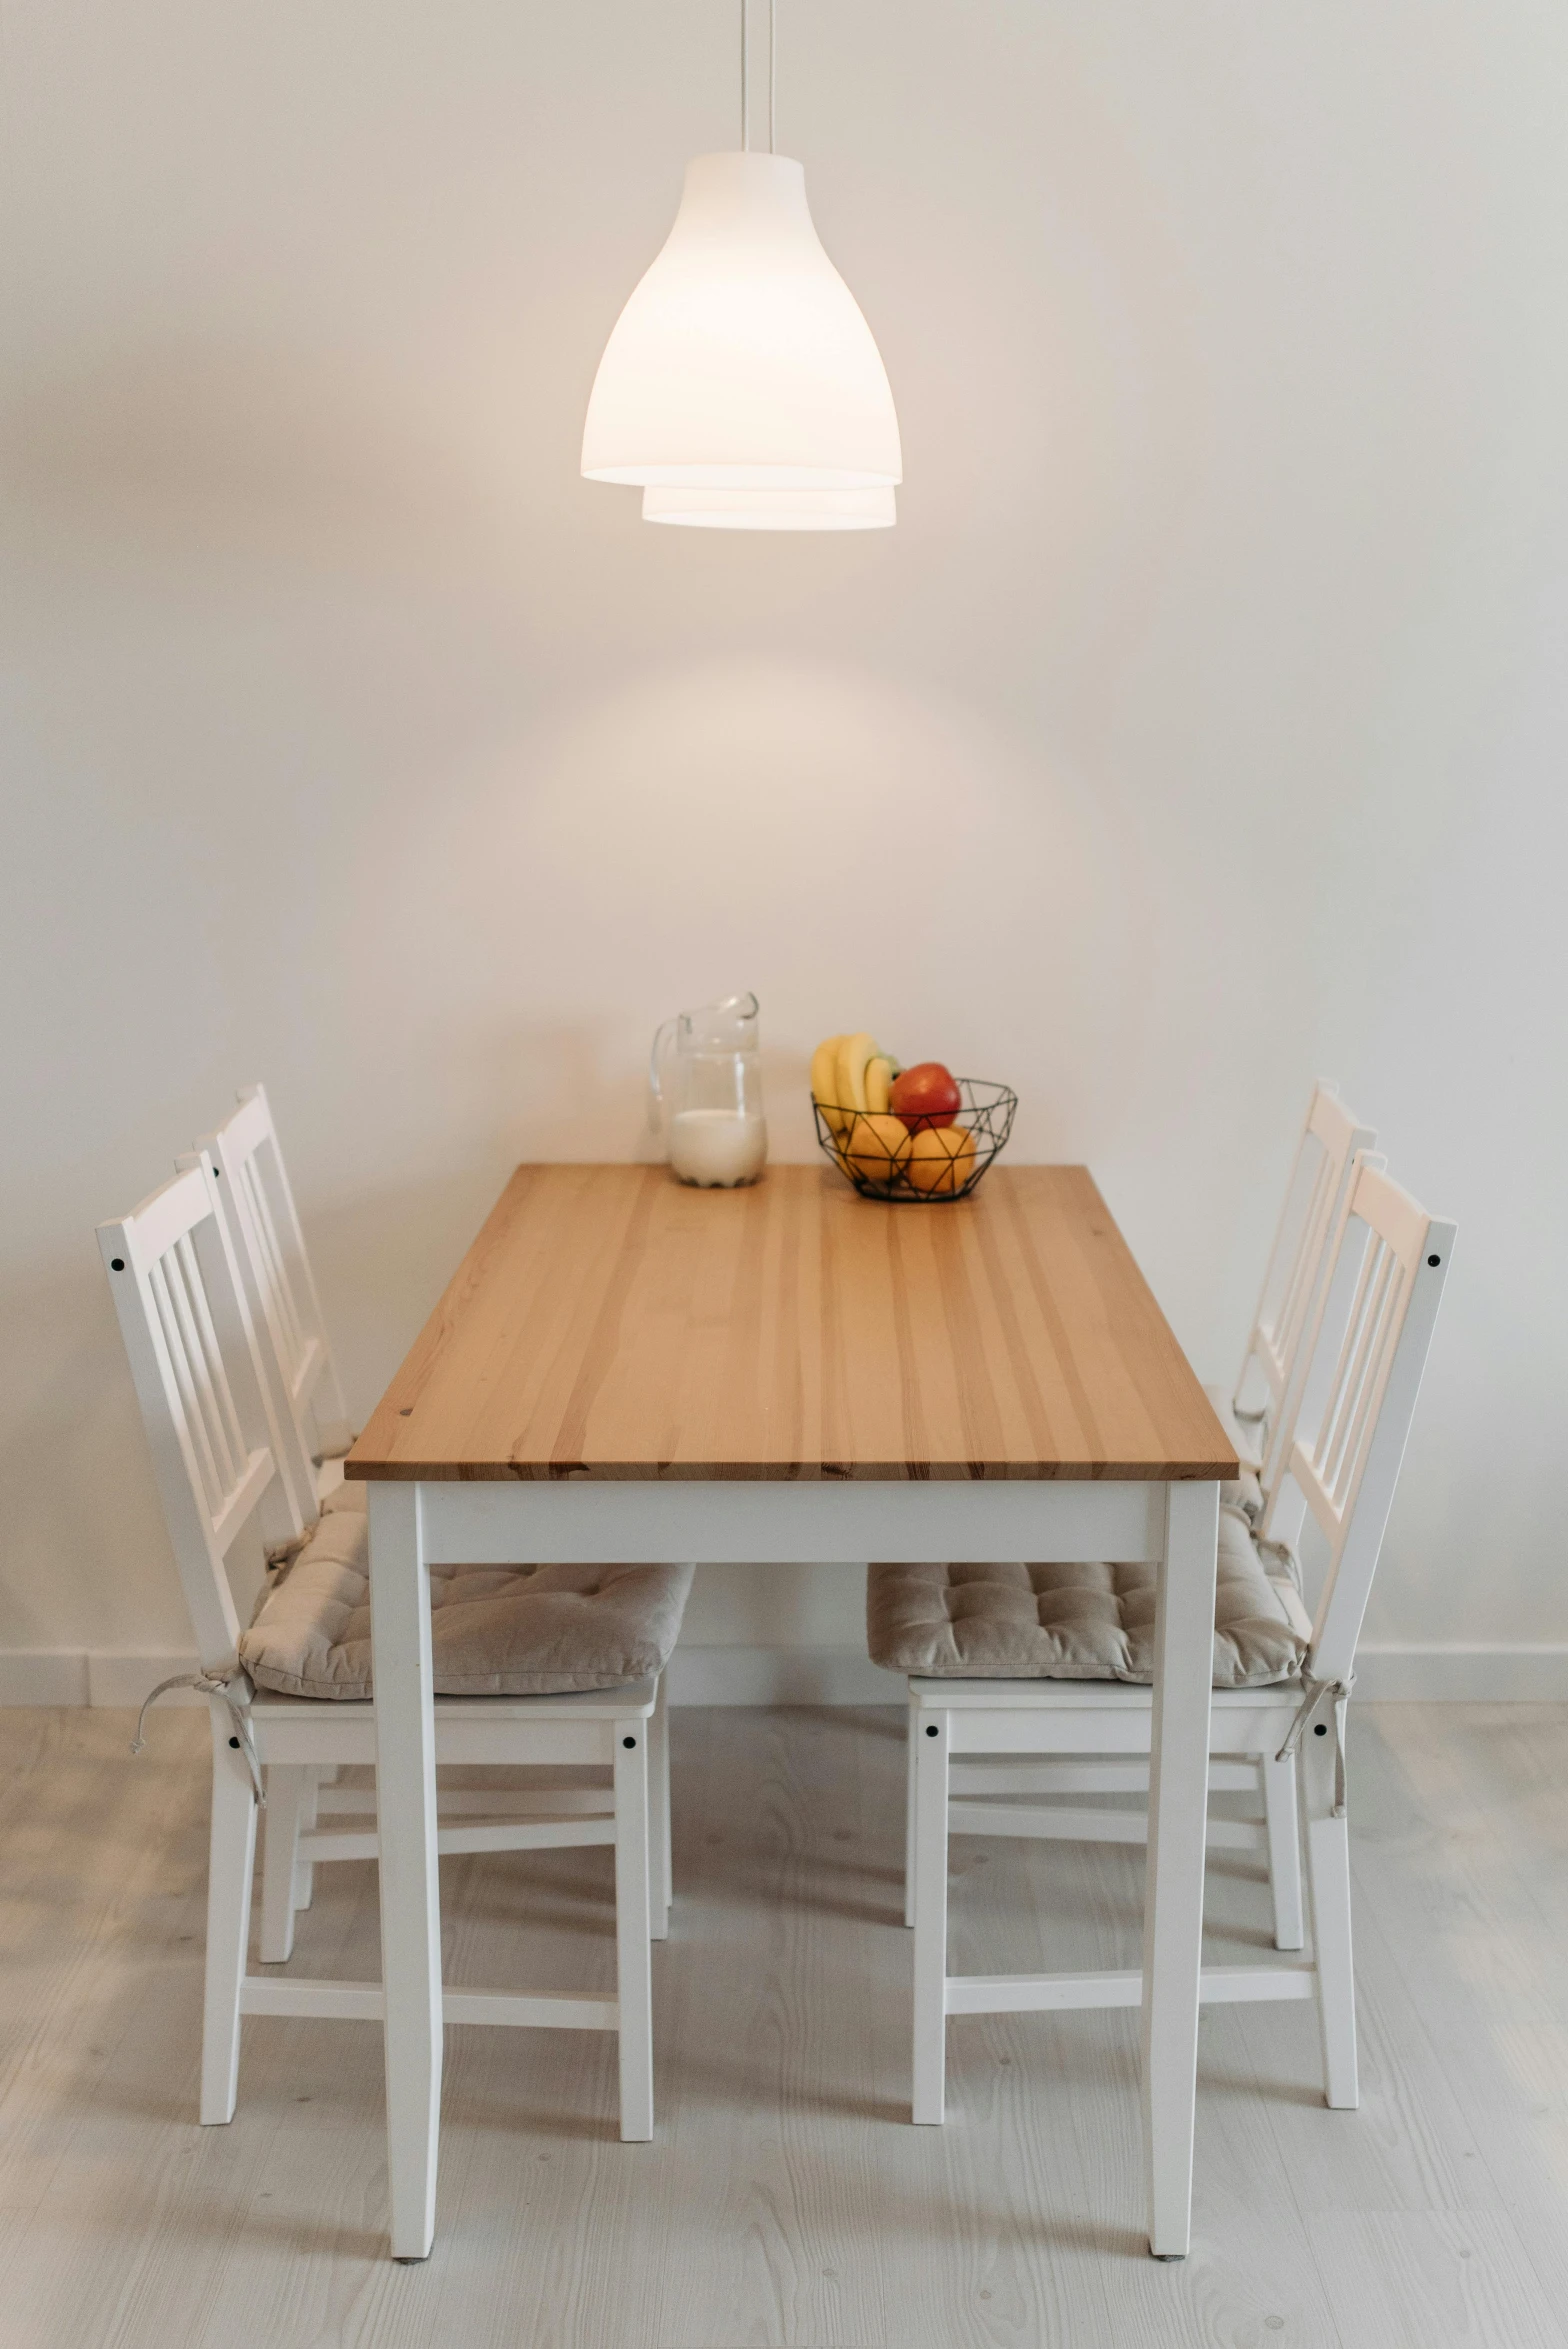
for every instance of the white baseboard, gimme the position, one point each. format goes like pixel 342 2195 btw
pixel 1385 1674
pixel 781 1676
pixel 91 1676
pixel 43 1676
pixel 116 1678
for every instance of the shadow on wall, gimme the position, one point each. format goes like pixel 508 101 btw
pixel 74 1472
pixel 382 1259
pixel 238 452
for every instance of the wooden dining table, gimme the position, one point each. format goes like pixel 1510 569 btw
pixel 623 1368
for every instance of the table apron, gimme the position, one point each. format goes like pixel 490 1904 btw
pixel 639 1522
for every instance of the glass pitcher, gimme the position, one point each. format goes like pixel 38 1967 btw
pixel 706 1077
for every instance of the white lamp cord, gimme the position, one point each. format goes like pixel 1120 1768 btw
pixel 745 74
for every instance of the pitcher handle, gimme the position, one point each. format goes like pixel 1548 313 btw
pixel 655 1087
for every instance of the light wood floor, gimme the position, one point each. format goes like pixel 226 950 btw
pixel 787 2200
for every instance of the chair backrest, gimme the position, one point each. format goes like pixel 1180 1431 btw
pixel 1368 1348
pixel 257 1201
pixel 199 1380
pixel 1294 1280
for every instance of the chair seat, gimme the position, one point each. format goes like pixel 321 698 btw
pixel 268 1708
pixel 1247 1437
pixel 495 1630
pixel 1083 1622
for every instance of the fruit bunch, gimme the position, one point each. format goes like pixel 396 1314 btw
pixel 890 1124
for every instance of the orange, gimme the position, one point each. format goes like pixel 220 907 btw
pixel 875 1147
pixel 941 1159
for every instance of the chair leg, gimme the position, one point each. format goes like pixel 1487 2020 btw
pixel 909 1813
pixel 930 1875
pixel 1328 1885
pixel 309 1812
pixel 662 1888
pixel 1284 1830
pixel 290 1792
pixel 634 1972
pixel 230 1863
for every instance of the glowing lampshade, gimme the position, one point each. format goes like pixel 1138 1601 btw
pixel 772 509
pixel 742 365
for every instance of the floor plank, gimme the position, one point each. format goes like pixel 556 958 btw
pixel 787 2200
pixel 1412 2278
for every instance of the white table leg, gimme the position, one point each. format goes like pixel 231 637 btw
pixel 1173 1900
pixel 932 1745
pixel 410 1880
pixel 661 1890
pixel 911 1732
pixel 633 1903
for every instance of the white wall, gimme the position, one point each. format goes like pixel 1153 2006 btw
pixel 1201 728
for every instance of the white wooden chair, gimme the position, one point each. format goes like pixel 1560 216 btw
pixel 214 1437
pixel 1256 1410
pixel 976 1741
pixel 257 1199
pixel 1263 1396
pixel 244 1159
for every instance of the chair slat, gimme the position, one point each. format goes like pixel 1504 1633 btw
pixel 213 1438
pixel 212 1481
pixel 1379 1356
pixel 1280 1335
pixel 257 1201
pixel 1347 1468
pixel 217 1373
pixel 185 1286
pixel 272 1268
pixel 1293 1281
pixel 1358 1365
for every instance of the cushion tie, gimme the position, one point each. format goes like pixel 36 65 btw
pixel 214 1684
pixel 281 1555
pixel 1311 1704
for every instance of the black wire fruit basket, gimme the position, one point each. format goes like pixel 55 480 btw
pixel 885 1161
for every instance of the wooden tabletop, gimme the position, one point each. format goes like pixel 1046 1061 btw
pixel 610 1322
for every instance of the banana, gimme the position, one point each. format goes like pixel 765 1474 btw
pixel 824 1070
pixel 851 1073
pixel 853 1054
pixel 825 1085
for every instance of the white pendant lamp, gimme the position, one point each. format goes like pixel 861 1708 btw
pixel 741 388
pixel 771 509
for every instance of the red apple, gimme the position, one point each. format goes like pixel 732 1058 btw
pixel 925 1096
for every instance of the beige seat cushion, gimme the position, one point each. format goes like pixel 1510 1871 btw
pixel 496 1630
pixel 1248 1437
pixel 1091 1622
